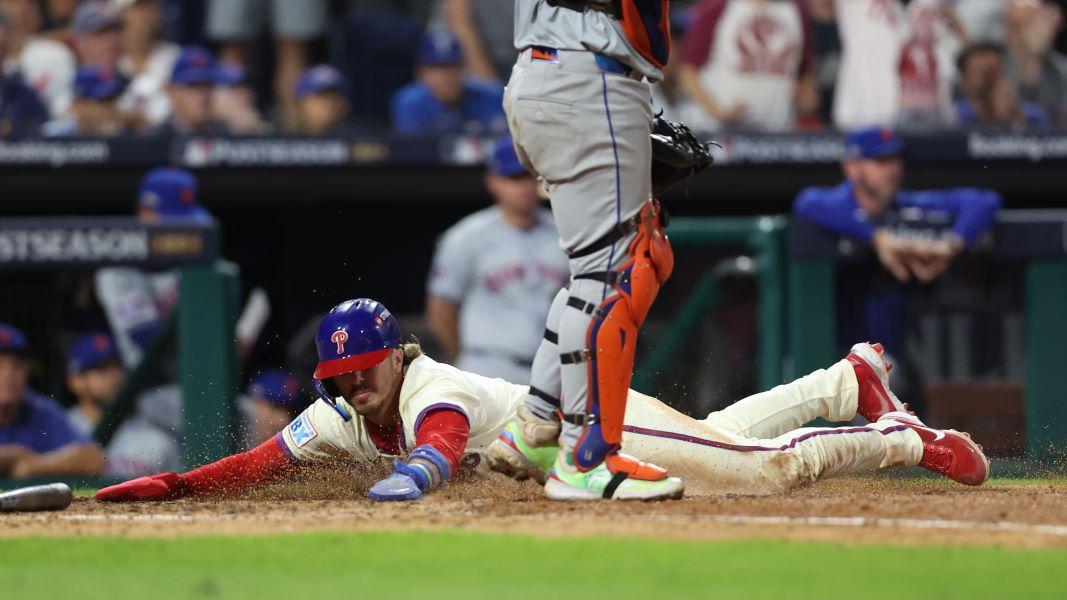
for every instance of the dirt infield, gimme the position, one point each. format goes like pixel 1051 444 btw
pixel 855 510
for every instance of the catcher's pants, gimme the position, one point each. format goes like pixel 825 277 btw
pixel 754 446
pixel 585 133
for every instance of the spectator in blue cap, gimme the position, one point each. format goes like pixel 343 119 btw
pixel 273 399
pixel 495 273
pixel 94 375
pixel 146 441
pixel 94 111
pixel 21 110
pixel 914 234
pixel 233 101
pixel 322 98
pixel 35 437
pixel 443 99
pixel 189 90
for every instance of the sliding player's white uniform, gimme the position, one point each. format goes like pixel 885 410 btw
pixel 753 446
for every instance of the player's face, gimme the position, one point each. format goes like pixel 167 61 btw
pixel 373 392
pixel 192 104
pixel 13 373
pixel 102 383
pixel 518 194
pixel 444 81
pixel 101 48
pixel 323 112
pixel 879 178
pixel 982 72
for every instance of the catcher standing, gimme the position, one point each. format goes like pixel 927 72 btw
pixel 579 108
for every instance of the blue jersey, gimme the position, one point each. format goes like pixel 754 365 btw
pixel 480 111
pixel 41 425
pixel 966 211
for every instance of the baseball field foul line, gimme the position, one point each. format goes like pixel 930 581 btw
pixel 943 524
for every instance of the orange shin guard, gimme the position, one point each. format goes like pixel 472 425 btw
pixel 612 338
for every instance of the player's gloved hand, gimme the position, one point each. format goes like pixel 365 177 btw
pixel 676 155
pixel 425 470
pixel 398 486
pixel 164 486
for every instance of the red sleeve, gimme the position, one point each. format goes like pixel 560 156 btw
pixel 447 431
pixel 240 471
pixel 807 59
pixel 696 47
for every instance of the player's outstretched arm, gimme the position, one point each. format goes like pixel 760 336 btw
pixel 441 437
pixel 231 474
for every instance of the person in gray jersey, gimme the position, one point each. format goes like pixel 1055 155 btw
pixel 494 275
pixel 579 107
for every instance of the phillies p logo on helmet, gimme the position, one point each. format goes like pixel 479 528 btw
pixel 339 337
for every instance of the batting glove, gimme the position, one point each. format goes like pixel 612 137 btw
pixel 425 470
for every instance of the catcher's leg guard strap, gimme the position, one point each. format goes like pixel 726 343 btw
pixel 612 338
pixel 549 398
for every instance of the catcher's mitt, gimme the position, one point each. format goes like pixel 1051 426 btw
pixel 676 155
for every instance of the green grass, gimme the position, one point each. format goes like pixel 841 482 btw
pixel 468 565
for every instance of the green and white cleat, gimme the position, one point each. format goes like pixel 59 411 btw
pixel 526 448
pixel 566 482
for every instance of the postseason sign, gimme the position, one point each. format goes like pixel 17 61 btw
pixel 41 243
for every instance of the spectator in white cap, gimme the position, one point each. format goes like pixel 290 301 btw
pixel 45 65
pixel 146 61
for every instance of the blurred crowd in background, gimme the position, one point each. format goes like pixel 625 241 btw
pixel 319 67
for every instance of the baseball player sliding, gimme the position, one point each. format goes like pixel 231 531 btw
pixel 382 397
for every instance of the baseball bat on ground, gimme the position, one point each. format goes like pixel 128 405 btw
pixel 54 496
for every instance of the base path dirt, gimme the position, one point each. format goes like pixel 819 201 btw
pixel 876 510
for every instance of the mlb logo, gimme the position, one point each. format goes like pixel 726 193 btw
pixel 302 431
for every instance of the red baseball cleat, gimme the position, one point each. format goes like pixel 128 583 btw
pixel 947 451
pixel 872 374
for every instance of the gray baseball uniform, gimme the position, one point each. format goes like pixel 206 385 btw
pixel 580 112
pixel 503 278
